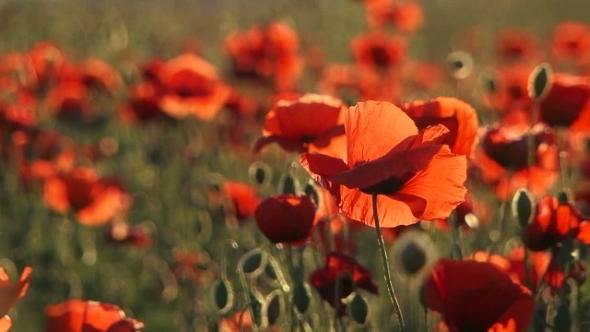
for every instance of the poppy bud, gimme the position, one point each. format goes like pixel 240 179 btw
pixel 460 64
pixel 564 196
pixel 256 308
pixel 523 206
pixel 488 82
pixel 253 262
pixel 273 307
pixel 563 318
pixel 260 173
pixel 289 184
pixel 540 81
pixel 311 191
pixel 301 297
pixel 412 253
pixel 223 296
pixel 358 308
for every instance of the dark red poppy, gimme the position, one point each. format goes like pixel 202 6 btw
pixel 346 273
pixel 191 85
pixel 414 175
pixel 501 160
pixel 306 123
pixel 95 200
pixel 477 296
pixel 142 104
pixel 10 293
pixel 244 198
pixel 553 223
pixel 82 316
pixel 566 100
pixel 378 51
pixel 456 115
pixel 286 218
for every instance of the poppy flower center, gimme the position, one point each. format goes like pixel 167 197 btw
pixel 388 186
pixel 380 56
pixel 307 139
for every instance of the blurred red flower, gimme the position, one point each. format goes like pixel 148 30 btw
pixel 244 198
pixel 302 124
pixel 388 156
pixel 571 41
pixel 566 101
pixel 377 51
pixel 80 316
pixel 95 200
pixel 553 223
pixel 286 218
pixel 345 272
pixel 516 45
pixel 10 293
pixel 119 232
pixel 477 296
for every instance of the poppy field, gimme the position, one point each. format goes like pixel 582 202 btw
pixel 309 165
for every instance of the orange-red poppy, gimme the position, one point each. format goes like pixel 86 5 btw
pixel 477 296
pixel 80 316
pixel 406 17
pixel 269 52
pixel 244 198
pixel 94 200
pixel 345 272
pixel 191 86
pixel 307 123
pixel 10 293
pixel 99 74
pixel 414 175
pixel 70 100
pixel 47 60
pixel 553 223
pixel 571 41
pixel 376 50
pixel 286 218
pixel 566 101
pixel 458 116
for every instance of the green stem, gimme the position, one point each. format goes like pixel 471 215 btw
pixel 385 262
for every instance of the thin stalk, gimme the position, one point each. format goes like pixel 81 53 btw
pixel 385 262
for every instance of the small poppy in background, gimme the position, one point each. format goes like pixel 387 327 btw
pixel 48 61
pixel 571 41
pixel 506 88
pixel 99 74
pixel 501 160
pixel 188 264
pixel 191 86
pixel 79 316
pixel 302 124
pixel 406 17
pixel 456 115
pixel 516 45
pixel 377 51
pixel 414 175
pixel 286 218
pixel 93 199
pixel 70 100
pixel 269 52
pixel 477 296
pixel 553 223
pixel 345 272
pixel 10 293
pixel 243 198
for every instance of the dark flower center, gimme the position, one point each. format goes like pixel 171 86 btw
pixel 388 186
pixel 307 139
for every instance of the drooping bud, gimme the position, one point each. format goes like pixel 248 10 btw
pixel 253 262
pixel 359 309
pixel 540 81
pixel 273 307
pixel 260 173
pixel 223 296
pixel 523 206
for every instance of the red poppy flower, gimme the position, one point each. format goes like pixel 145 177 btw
pixel 513 265
pixel 10 293
pixel 142 104
pixel 243 198
pixel 413 173
pixel 457 116
pixel 347 273
pixel 556 276
pixel 48 60
pixel 70 100
pixel 501 159
pixel 268 52
pixel 566 100
pixel 571 41
pixel 378 51
pixel 516 45
pixel 286 218
pixel 95 200
pixel 80 316
pixel 309 122
pixel 477 296
pixel 553 223
pixel 405 16
pixel 191 86
pixel 99 74
pixel 510 89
